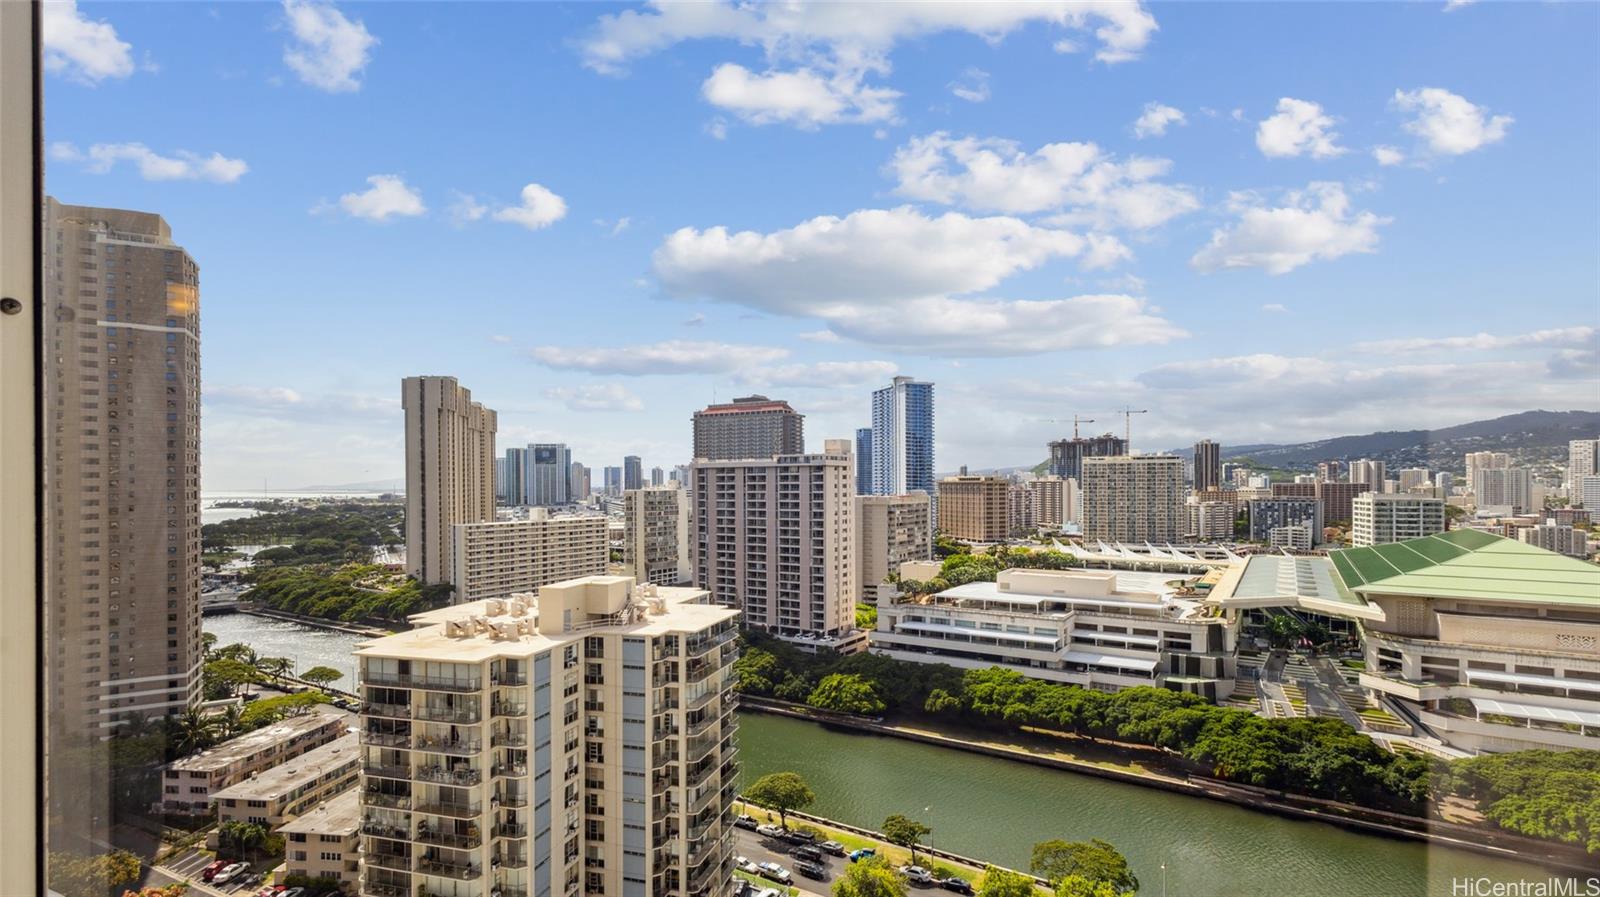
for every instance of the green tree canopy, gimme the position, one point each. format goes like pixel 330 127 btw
pixel 999 882
pixel 1078 886
pixel 269 710
pixel 781 791
pixel 846 693
pixel 870 877
pixel 1094 861
pixel 904 831
pixel 321 676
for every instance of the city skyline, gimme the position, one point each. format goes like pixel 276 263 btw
pixel 1281 192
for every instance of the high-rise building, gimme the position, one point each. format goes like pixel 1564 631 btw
pixel 449 470
pixel 511 487
pixel 1328 471
pixel 1269 514
pixel 495 558
pixel 578 486
pixel 1589 491
pixel 1207 465
pixel 1336 499
pixel 658 477
pixel 1583 459
pixel 1413 478
pixel 974 508
pixel 632 472
pixel 1476 461
pixel 121 461
pixel 1443 482
pixel 1055 501
pixel 748 427
pixel 1494 487
pixel 1381 519
pixel 613 481
pixel 1133 498
pixel 1211 521
pixel 656 535
pixel 549 473
pixel 775 537
pixel 891 529
pixel 1557 537
pixel 864 461
pixel 902 438
pixel 1066 455
pixel 580 741
pixel 1368 473
pixel 1019 507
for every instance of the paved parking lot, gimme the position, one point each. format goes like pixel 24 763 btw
pixel 187 866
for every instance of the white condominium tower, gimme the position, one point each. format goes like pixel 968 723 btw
pixel 495 558
pixel 1134 498
pixel 576 742
pixel 1380 519
pixel 1583 459
pixel 449 470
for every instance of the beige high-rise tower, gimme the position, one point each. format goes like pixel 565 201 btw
pixel 122 432
pixel 449 470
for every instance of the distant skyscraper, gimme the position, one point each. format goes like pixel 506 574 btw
pixel 577 482
pixel 1583 459
pixel 513 490
pixel 632 472
pixel 1328 471
pixel 902 438
pixel 975 507
pixel 1511 487
pixel 1066 455
pixel 1476 461
pixel 613 482
pixel 1411 478
pixel 1443 481
pixel 549 469
pixel 1367 472
pixel 658 477
pixel 1589 491
pixel 1381 519
pixel 864 461
pixel 1207 465
pixel 1133 498
pixel 748 427
pixel 449 470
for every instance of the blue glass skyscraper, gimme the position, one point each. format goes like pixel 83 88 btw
pixel 864 461
pixel 902 438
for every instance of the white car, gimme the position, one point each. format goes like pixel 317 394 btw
pixel 769 830
pixel 917 875
pixel 773 871
pixel 229 873
pixel 745 864
pixel 769 892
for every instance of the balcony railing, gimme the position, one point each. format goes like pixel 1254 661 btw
pixel 374 889
pixel 504 770
pixel 391 711
pixel 460 776
pixel 509 708
pixel 449 714
pixel 511 801
pixel 385 739
pixel 508 739
pixel 458 871
pixel 431 683
pixel 388 771
pixel 511 830
pixel 458 747
pixel 388 801
pixel 384 830
pixel 511 861
pixel 509 678
pixel 386 860
pixel 449 839
pixel 453 810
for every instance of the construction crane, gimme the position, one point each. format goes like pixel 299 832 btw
pixel 1075 421
pixel 1127 425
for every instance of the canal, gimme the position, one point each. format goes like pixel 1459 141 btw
pixel 996 809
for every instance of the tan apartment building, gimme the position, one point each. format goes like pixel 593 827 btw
pixel 974 508
pixel 122 438
pixel 494 558
pixel 656 535
pixel 325 841
pixel 450 468
pixel 1134 498
pixel 748 427
pixel 277 795
pixel 891 529
pixel 775 538
pixel 1055 501
pixel 188 785
pixel 577 741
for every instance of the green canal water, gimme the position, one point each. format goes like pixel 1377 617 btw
pixel 996 809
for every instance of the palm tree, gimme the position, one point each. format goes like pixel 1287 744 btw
pixel 275 667
pixel 192 732
pixel 230 721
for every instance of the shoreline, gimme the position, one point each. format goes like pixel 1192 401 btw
pixel 1502 845
pixel 314 622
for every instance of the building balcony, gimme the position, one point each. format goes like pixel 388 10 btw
pixel 387 771
pixel 376 889
pixel 511 860
pixel 509 770
pixel 509 708
pixel 511 801
pixel 461 776
pixel 508 739
pixel 379 829
pixel 386 860
pixel 385 739
pixel 429 683
pixel 449 714
pixel 446 869
pixel 508 679
pixel 449 839
pixel 387 801
pixel 387 711
pixel 458 748
pixel 511 830
pixel 452 810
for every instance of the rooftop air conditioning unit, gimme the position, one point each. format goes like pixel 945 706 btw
pixel 494 607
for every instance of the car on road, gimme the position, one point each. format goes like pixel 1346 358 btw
pixel 211 871
pixel 958 885
pixel 769 831
pixel 768 892
pixel 862 853
pixel 745 864
pixel 775 872
pixel 745 820
pixel 917 875
pixel 807 852
pixel 812 870
pixel 833 847
pixel 229 873
pixel 795 836
pixel 295 892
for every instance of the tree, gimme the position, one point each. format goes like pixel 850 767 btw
pixel 1078 886
pixel 999 882
pixel 208 641
pixel 269 710
pixel 870 877
pixel 225 676
pixel 322 677
pixel 781 791
pixel 1096 861
pixel 906 832
pixel 846 693
pixel 275 667
pixel 92 876
pixel 192 731
pixel 244 837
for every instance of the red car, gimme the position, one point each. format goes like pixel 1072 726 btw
pixel 211 871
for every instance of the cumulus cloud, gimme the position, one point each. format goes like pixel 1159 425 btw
pixel 330 51
pixel 181 166
pixel 1314 224
pixel 81 49
pixel 1275 307
pixel 668 357
pixel 466 209
pixel 998 327
pixel 972 86
pixel 539 208
pixel 1388 155
pixel 1082 182
pixel 387 197
pixel 596 397
pixel 1447 123
pixel 1557 337
pixel 819 336
pixel 803 97
pixel 1155 120
pixel 1299 128
pixel 821 374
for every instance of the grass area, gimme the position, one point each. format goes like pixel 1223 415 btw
pixel 894 854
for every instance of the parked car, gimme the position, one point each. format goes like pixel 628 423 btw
pixel 745 864
pixel 295 892
pixel 769 892
pixel 862 853
pixel 807 852
pixel 917 875
pixel 775 872
pixel 958 885
pixel 229 873
pixel 745 820
pixel 833 847
pixel 211 871
pixel 769 831
pixel 812 870
pixel 795 836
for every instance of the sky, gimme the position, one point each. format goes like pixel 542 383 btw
pixel 1257 222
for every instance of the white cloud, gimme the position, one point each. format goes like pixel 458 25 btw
pixel 803 97
pixel 821 374
pixel 717 128
pixel 1083 182
pixel 1299 127
pixel 1557 337
pixel 1313 224
pixel 466 209
pixel 695 320
pixel 668 357
pixel 84 51
pixel 1275 308
pixel 596 397
pixel 1388 155
pixel 620 225
pixel 819 336
pixel 1453 5
pixel 330 51
pixel 1447 123
pixel 972 86
pixel 500 339
pixel 1155 120
pixel 540 208
pixel 182 166
pixel 388 196
pixel 974 327
pixel 1126 283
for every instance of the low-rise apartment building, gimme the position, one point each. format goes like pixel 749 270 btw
pixel 496 558
pixel 189 784
pixel 1100 629
pixel 283 792
pixel 891 529
pixel 325 841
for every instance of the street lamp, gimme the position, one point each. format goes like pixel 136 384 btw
pixel 929 812
pixel 1163 880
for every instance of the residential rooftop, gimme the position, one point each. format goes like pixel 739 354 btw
pixel 291 774
pixel 236 749
pixel 1469 564
pixel 338 815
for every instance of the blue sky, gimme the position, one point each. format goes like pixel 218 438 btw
pixel 1262 222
